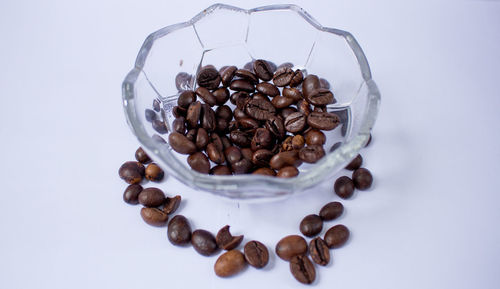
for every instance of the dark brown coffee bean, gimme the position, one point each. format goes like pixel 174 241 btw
pixel 283 159
pixel 220 170
pixel 264 172
pixel 206 95
pixel 186 98
pixel 344 187
pixel 156 104
pixel 295 122
pixel 247 123
pixel 233 154
pixel 179 125
pixel 261 110
pixel 323 120
pixel 227 75
pixel 256 254
pixel 131 194
pixel 267 89
pixel 183 81
pixel 323 83
pixel 242 100
pixel 131 172
pixel 247 153
pixel 298 142
pixel 238 113
pixel 225 142
pixel 225 240
pixel 292 93
pixel 262 157
pixel 214 154
pixel 362 179
pixel 202 139
pixel 320 97
pixel 179 230
pixel 311 225
pixel 288 172
pixel 193 114
pixel 297 78
pixel 178 111
pixel 336 236
pixel 275 125
pixel 216 140
pixel 240 138
pixel 208 77
pixel 249 65
pixel 262 139
pixel 263 70
pixel 154 217
pixel 150 115
pixel 315 137
pixel 242 85
pixel 260 97
pixel 160 126
pixel 304 107
pixel 318 249
pixel 203 242
pixel 355 163
pixel 311 154
pixel 302 269
pixel 281 102
pixel 221 126
pixel 181 144
pixel 331 211
pixel 242 166
pixel 310 83
pixel 141 156
pixel 199 162
pixel 283 76
pixel 247 75
pixel 229 263
pixel 224 112
pixel 208 120
pixel 151 197
pixel 171 204
pixel 285 112
pixel 154 173
pixel 290 246
pixel 221 95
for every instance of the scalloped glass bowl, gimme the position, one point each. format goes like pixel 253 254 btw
pixel 225 35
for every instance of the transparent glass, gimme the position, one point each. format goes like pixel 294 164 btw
pixel 224 35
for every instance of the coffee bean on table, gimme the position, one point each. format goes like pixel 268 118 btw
pixel 131 194
pixel 171 204
pixel 141 156
pixel 181 144
pixel 151 197
pixel 225 240
pixel 344 187
pixel 288 172
pixel 262 69
pixel 336 236
pixel 323 120
pixel 203 242
pixel 220 170
pixel 159 126
pixel 320 97
pixel 290 246
pixel 315 137
pixel 256 254
pixel 206 95
pixel 154 173
pixel 214 154
pixel 208 77
pixel 267 89
pixel 150 115
pixel 186 98
pixel 311 154
pixel 131 172
pixel 199 162
pixel 282 159
pixel 229 263
pixel 295 122
pixel 302 269
pixel 258 109
pixel 202 139
pixel 331 211
pixel 310 83
pixel 242 85
pixel 154 217
pixel 362 179
pixel 319 251
pixel 265 172
pixel 311 225
pixel 355 163
pixel 227 75
pixel 179 230
pixel 283 76
pixel 221 95
pixel 193 114
pixel 297 78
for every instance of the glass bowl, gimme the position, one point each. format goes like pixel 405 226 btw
pixel 221 35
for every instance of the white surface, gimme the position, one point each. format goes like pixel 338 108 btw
pixel 431 220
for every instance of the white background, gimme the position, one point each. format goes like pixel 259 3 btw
pixel 430 221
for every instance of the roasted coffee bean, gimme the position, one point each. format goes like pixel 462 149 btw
pixel 186 98
pixel 288 172
pixel 247 153
pixel 265 172
pixel 318 249
pixel 150 115
pixel 283 159
pixel 315 137
pixel 225 142
pixel 281 102
pixel 233 154
pixel 262 139
pixel 224 112
pixel 229 263
pixel 216 140
pixel 331 211
pixel 283 76
pixel 171 204
pixel 221 125
pixel 221 95
pixel 203 242
pixel 242 85
pixel 344 187
pixel 207 118
pixel 240 138
pixel 181 144
pixel 262 157
pixel 275 125
pixel 220 170
pixel 214 154
pixel 199 162
pixel 302 269
pixel 247 75
pixel 154 217
pixel 242 166
pixel 263 70
pixel 310 83
pixel 362 179
pixel 141 156
pixel 311 225
pixel 193 114
pixel 242 100
pixel 201 139
pixel 183 81
pixel 323 120
pixel 320 109
pixel 247 123
pixel 298 142
pixel 287 144
pixel 323 83
pixel 206 95
pixel 287 111
pixel 260 97
pixel 178 111
pixel 290 246
pixel 179 125
pixel 131 194
pixel 311 154
pixel 297 78
pixel 355 163
pixel 208 77
pixel 292 93
pixel 226 240
pixel 238 113
pixel 131 172
pixel 267 89
pixel 179 230
pixel 154 173
pixel 295 122
pixel 261 110
pixel 156 104
pixel 151 197
pixel 160 126
pixel 304 107
pixel 227 75
pixel 320 97
pixel 336 236
pixel 256 254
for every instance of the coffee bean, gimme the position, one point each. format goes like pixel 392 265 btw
pixel 295 122
pixel 287 111
pixel 201 140
pixel 131 172
pixel 283 76
pixel 262 157
pixel 344 187
pixel 241 99
pixel 260 96
pixel 247 123
pixel 214 154
pixel 242 166
pixel 221 95
pixel 206 95
pixel 290 246
pixel 238 113
pixel 292 93
pixel 331 211
pixel 320 109
pixel 159 126
pixel 287 144
pixel 179 125
pixel 172 204
pixel 265 172
pixel 220 170
pixel 267 89
pixel 142 156
pixel 203 242
pixel 362 179
pixel 285 65
pixel 227 75
pixel 193 114
pixel 225 142
pixel 283 159
pixel 276 127
pixel 311 154
pixel 315 137
pixel 242 85
pixel 154 217
pixel 178 111
pixel 320 97
pixel 249 65
pixel 261 110
pixel 224 112
pixel 288 172
pixel 179 230
pixel 262 139
pixel 226 241
pixel 233 154
pixel 247 75
pixel 355 163
pixel 186 98
pixel 207 118
pixel 304 107
pixel 298 142
pixel 336 236
pixel 183 81
pixel 318 249
pixel 222 126
pixel 150 115
pixel 323 120
pixel 311 225
pixel 310 83
pixel 281 102
pixel 263 70
pixel 240 138
pixel 199 162
pixel 323 83
pixel 247 153
pixel 229 263
pixel 151 197
pixel 131 194
pixel 208 77
pixel 216 140
pixel 154 173
pixel 156 104
pixel 256 254
pixel 181 144
pixel 297 78
pixel 302 269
